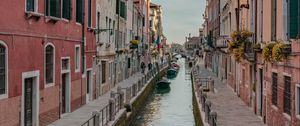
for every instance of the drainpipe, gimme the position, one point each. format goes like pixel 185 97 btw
pixel 116 39
pixel 255 60
pixel 82 45
pixel 237 11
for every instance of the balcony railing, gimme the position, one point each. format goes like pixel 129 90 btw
pixel 222 42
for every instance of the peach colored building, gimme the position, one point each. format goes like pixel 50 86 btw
pixel 270 89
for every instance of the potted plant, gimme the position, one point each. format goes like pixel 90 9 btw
pixel 267 52
pixel 256 47
pixel 135 42
pixel 280 51
pixel 287 49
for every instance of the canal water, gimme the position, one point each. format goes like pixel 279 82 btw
pixel 170 107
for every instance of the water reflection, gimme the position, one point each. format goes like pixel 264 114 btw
pixel 170 106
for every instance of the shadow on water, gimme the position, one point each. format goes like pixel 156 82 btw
pixel 170 106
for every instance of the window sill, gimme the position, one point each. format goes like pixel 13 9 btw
pixel 274 107
pixel 52 19
pixel 47 85
pixel 77 70
pixel 31 14
pixel 3 96
pixel 287 116
pixel 77 23
pixel 91 29
pixel 65 20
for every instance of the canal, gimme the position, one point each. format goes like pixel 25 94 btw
pixel 170 107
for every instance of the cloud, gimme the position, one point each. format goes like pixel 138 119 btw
pixel 181 17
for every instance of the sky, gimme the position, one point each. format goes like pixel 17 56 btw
pixel 181 17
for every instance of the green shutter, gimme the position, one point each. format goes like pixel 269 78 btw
pixel 29 5
pixel 117 6
pixel 67 9
pixel 293 18
pixel 79 11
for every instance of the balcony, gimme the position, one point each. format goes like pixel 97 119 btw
pixel 222 42
pixel 249 52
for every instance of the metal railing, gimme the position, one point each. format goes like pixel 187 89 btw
pixel 90 122
pixel 107 113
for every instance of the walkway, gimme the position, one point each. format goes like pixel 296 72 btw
pixel 231 110
pixel 101 105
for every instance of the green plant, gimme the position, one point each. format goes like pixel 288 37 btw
pixel 256 46
pixel 238 53
pixel 277 53
pixel 267 52
pixel 238 42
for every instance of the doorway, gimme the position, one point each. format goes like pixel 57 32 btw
pixel 89 83
pixel 260 93
pixel 65 87
pixel 65 93
pixel 30 99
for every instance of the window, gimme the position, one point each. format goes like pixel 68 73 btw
pixel 128 62
pixel 274 89
pixel 293 18
pixel 3 70
pixel 274 19
pixel 31 5
pixel 89 13
pixel 287 95
pixel 103 64
pixel 79 10
pixel 298 100
pixel 77 58
pixel 98 26
pixel 53 8
pixel 67 9
pixel 109 26
pixel 49 64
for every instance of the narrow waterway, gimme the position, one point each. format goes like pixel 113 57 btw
pixel 170 107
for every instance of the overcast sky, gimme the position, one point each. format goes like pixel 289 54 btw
pixel 181 17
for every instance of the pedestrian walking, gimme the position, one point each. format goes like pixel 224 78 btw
pixel 143 67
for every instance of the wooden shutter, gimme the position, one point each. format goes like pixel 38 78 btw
pixel 293 18
pixel 273 19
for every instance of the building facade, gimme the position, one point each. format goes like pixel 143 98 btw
pixel 270 87
pixel 47 58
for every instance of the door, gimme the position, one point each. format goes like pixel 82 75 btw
pixel 260 91
pixel 63 93
pixel 28 100
pixel 88 86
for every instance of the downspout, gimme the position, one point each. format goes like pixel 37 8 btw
pixel 117 39
pixel 82 45
pixel 255 60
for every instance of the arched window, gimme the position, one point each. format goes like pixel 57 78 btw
pixel 3 86
pixel 49 64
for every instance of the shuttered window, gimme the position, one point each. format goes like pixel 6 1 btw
pixel 287 95
pixel 79 10
pixel 67 9
pixel 273 20
pixel 2 69
pixel 103 64
pixel 53 8
pixel 293 18
pixel 274 89
pixel 30 5
pixel 89 13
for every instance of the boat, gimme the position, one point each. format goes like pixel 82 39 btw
pixel 172 71
pixel 175 65
pixel 165 90
pixel 163 83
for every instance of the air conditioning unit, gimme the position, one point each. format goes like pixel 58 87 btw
pixel 107 45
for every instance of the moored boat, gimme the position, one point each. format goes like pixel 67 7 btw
pixel 164 83
pixel 172 72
